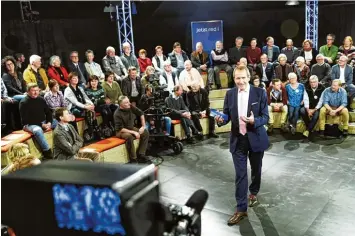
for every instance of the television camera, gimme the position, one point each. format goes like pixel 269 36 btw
pixel 83 199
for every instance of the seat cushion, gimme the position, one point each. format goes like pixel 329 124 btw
pixel 19 136
pixel 105 144
pixel 174 122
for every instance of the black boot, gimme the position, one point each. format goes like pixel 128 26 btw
pixel 47 155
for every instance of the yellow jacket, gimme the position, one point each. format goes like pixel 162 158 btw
pixel 30 77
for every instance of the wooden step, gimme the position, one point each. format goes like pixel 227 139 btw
pixel 352 105
pixel 216 103
pixel 218 93
pixel 352 116
pixel 222 76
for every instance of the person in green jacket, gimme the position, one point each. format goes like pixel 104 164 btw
pixel 329 50
pixel 112 88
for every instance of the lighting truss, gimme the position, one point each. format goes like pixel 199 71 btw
pixel 124 23
pixel 312 21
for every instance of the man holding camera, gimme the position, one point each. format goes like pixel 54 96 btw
pixel 181 112
pixel 199 105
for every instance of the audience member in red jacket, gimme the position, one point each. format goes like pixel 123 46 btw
pixel 143 61
pixel 57 72
pixel 253 54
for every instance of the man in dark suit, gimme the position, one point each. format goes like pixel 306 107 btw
pixel 66 140
pixel 246 107
pixel 78 67
pixel 265 70
pixel 199 105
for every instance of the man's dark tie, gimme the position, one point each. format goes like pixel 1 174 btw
pixel 82 79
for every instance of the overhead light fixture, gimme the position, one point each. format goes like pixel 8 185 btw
pixel 292 3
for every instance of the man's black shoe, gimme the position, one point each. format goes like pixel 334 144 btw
pixel 321 133
pixel 191 140
pixel 143 159
pixel 345 132
pixel 213 135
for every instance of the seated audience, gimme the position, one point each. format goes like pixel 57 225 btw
pixel 277 102
pixel 143 60
pixel 18 151
pixel 322 70
pixel 35 74
pixel 80 105
pixel 201 61
pixel 37 117
pixel 58 72
pixel 348 50
pixel 344 73
pixel 111 88
pixel 329 51
pixel 190 76
pixel 168 77
pixel 290 51
pixel 10 114
pixel 220 62
pixel 132 87
pixel 66 140
pixel 102 104
pixel 302 70
pixel 265 70
pixel 54 97
pixel 92 67
pixel 159 60
pixel 20 62
pixel 150 77
pixel 272 51
pixel 253 54
pixel 112 63
pixel 243 61
pixel 198 103
pixel 256 82
pixel 312 104
pixel 295 93
pixel 146 102
pixel 177 58
pixel 334 104
pixel 23 162
pixel 283 69
pixel 308 52
pixel 13 80
pixel 79 68
pixel 128 58
pixel 181 112
pixel 124 118
pixel 237 52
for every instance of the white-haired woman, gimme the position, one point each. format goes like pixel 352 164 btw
pixel 283 69
pixel 302 70
pixel 58 72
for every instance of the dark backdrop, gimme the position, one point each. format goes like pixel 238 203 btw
pixel 67 26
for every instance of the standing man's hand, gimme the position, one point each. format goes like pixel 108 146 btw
pixel 249 120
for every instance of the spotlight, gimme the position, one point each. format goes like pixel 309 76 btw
pixel 292 3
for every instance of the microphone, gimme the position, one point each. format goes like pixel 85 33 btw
pixel 198 200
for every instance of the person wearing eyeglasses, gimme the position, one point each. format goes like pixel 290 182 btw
pixel 329 50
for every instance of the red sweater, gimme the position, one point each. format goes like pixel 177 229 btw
pixel 253 55
pixel 53 74
pixel 144 63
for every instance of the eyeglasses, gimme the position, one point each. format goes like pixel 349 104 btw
pixel 9 64
pixel 329 39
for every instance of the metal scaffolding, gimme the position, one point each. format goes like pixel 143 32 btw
pixel 124 23
pixel 312 21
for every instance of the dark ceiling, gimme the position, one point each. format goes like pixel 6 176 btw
pixel 94 9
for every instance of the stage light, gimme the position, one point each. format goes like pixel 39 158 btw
pixel 292 3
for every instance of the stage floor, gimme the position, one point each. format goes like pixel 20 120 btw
pixel 307 188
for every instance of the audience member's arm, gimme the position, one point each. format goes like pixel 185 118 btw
pixel 333 74
pixel 162 80
pixel 328 72
pixel 122 67
pixel 306 100
pixel 344 101
pixel 195 62
pixel 349 78
pixel 60 142
pixel 10 88
pixel 106 65
pixel 218 57
pixel 320 102
pixel 87 99
pixel 70 96
pixel 155 64
pixel 168 102
pixel 48 112
pixel 24 112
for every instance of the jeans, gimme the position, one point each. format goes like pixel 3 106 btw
pixel 18 97
pixel 167 122
pixel 293 115
pixel 39 135
pixel 310 122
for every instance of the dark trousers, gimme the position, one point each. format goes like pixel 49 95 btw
pixel 196 120
pixel 240 156
pixel 310 122
pixel 293 115
pixel 106 111
pixel 10 115
pixel 143 143
pixel 186 124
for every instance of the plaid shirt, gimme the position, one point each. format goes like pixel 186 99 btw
pixel 55 101
pixel 3 90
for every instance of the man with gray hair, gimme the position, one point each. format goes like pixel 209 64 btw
pixel 322 70
pixel 220 62
pixel 128 58
pixel 290 51
pixel 78 67
pixel 201 61
pixel 92 67
pixel 312 104
pixel 35 74
pixel 113 63
pixel 168 77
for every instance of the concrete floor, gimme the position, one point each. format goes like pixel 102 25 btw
pixel 308 189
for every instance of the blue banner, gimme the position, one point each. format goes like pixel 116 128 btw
pixel 206 32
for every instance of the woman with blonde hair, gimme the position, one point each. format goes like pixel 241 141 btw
pixel 20 157
pixel 348 50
